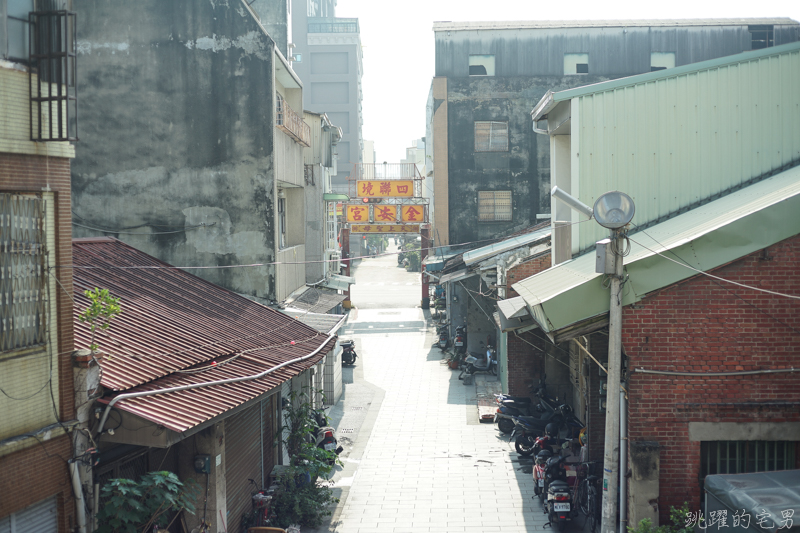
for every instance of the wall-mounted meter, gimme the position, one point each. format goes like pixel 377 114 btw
pixel 202 464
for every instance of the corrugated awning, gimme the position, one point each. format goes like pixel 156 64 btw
pixel 709 236
pixel 513 307
pixel 317 300
pixel 479 254
pixel 457 276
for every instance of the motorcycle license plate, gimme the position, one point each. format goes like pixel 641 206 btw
pixel 330 446
pixel 459 343
pixel 561 507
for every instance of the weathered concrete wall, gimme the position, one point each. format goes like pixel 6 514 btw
pixel 176 115
pixel 524 169
pixel 315 224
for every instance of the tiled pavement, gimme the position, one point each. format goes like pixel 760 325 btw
pixel 420 460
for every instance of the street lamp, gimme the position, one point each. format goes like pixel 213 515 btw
pixel 613 210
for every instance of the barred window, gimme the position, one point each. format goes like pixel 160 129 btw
pixel 491 136
pixel 22 273
pixel 494 205
pixel 744 457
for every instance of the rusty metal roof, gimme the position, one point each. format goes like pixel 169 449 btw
pixel 176 329
pixel 317 300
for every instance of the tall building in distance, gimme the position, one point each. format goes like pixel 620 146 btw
pixel 327 58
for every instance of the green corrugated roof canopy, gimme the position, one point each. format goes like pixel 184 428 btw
pixel 709 236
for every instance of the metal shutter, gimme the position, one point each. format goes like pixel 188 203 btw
pixel 249 454
pixel 41 517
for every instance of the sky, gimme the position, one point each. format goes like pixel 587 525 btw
pixel 397 41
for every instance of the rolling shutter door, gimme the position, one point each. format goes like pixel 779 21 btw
pixel 242 462
pixel 249 454
pixel 41 517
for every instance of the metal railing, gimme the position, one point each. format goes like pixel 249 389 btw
pixel 292 123
pixel 333 25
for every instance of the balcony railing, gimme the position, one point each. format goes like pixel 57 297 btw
pixel 292 123
pixel 332 25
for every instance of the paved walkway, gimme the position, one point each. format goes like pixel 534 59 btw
pixel 420 460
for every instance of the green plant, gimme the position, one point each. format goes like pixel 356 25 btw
pixel 413 260
pixel 133 506
pixel 102 309
pixel 677 516
pixel 301 498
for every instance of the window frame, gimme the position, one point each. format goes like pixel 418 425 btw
pixel 490 145
pixel 487 61
pixel 574 60
pixel 502 207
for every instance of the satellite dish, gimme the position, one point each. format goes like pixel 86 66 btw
pixel 614 209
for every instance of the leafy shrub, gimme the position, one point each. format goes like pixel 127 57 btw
pixel 133 506
pixel 677 515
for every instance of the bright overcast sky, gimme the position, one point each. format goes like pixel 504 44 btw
pixel 397 38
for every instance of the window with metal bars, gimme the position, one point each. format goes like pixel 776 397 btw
pixel 742 457
pixel 494 206
pixel 22 272
pixel 52 75
pixel 491 136
pixel 761 36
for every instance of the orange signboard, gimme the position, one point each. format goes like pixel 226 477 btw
pixel 385 189
pixel 413 213
pixel 384 228
pixel 339 209
pixel 358 213
pixel 384 213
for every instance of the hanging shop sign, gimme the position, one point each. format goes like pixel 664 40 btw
pixel 385 189
pixel 413 213
pixel 358 213
pixel 384 213
pixel 384 228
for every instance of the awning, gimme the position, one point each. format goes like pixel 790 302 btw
pixel 511 324
pixel 333 197
pixel 322 322
pixel 709 236
pixel 513 307
pixel 435 262
pixel 458 275
pixel 317 300
pixel 486 252
pixel 338 283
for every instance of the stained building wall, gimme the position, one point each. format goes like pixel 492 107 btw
pixel 176 153
pixel 527 62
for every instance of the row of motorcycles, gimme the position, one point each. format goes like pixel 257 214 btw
pixel 469 364
pixel 538 428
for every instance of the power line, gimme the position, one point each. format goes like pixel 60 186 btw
pixel 713 276
pixel 203 225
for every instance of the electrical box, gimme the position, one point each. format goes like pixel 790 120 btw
pixel 602 404
pixel 604 257
pixel 202 464
pixel 603 387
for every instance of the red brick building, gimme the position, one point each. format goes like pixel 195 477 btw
pixel 36 337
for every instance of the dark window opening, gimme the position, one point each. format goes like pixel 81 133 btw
pixel 653 69
pixel 582 68
pixel 18 27
pixel 762 36
pixel 744 457
pixel 477 70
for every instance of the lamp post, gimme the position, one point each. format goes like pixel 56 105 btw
pixel 613 210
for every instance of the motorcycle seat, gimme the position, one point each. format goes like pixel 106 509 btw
pixel 347 343
pixel 558 486
pixel 592 478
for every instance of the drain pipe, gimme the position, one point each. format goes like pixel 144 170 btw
pixel 206 384
pixel 623 461
pixel 80 506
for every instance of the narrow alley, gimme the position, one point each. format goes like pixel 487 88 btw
pixel 416 456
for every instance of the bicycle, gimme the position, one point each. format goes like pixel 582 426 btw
pixel 587 495
pixel 260 513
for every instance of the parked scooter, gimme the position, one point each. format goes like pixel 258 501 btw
pixel 348 352
pixel 475 364
pixel 323 434
pixel 559 498
pixel 538 472
pixel 528 428
pixel 443 332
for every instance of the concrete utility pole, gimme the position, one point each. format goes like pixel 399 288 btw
pixel 611 454
pixel 423 253
pixel 346 260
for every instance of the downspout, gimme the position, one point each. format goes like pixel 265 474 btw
pixel 80 507
pixel 623 460
pixel 206 384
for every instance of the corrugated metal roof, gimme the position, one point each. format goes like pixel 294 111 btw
pixel 513 307
pixel 320 321
pixel 714 234
pixel 317 300
pixel 485 252
pixel 549 24
pixel 173 326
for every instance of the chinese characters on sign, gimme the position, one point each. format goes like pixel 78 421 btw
pixel 413 213
pixel 384 228
pixel 385 213
pixel 385 189
pixel 739 518
pixel 357 213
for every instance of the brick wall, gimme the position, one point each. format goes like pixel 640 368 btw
pixel 702 326
pixel 526 269
pixel 40 471
pixel 525 362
